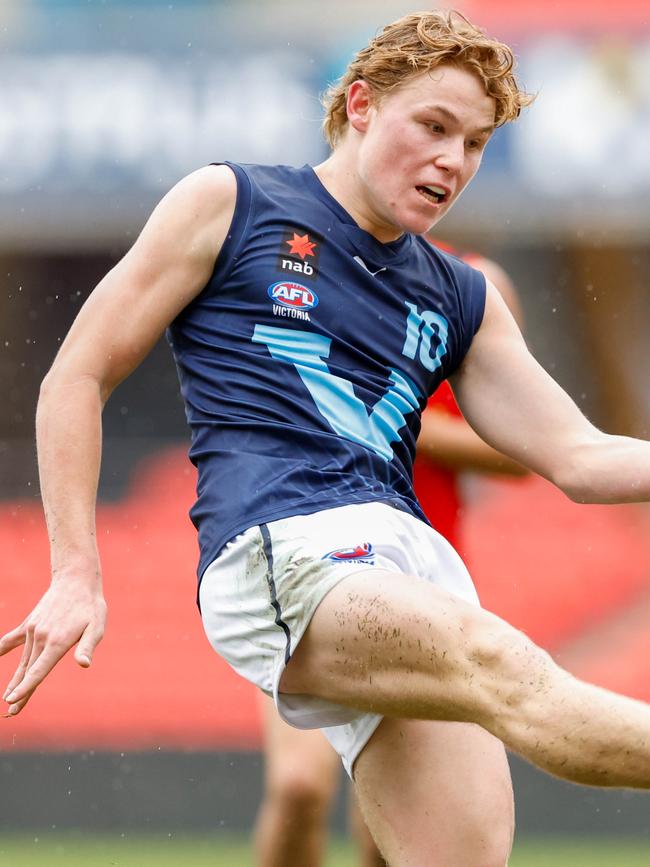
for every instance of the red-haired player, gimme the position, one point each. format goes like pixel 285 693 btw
pixel 301 768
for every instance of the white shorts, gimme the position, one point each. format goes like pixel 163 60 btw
pixel 258 597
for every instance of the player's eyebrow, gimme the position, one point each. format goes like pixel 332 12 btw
pixel 441 109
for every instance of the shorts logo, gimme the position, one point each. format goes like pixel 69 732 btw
pixel 359 554
pixel 299 252
pixel 292 299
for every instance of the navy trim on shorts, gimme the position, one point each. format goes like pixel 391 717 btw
pixel 268 551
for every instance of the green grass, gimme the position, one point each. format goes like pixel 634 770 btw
pixel 137 850
pixel 594 852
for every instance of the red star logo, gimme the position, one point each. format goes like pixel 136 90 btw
pixel 301 245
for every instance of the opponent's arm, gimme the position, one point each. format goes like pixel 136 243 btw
pixel 450 441
pixel 169 264
pixel 519 409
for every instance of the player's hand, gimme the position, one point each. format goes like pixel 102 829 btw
pixel 72 611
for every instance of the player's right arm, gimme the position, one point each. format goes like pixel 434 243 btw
pixel 447 439
pixel 167 267
pixel 515 406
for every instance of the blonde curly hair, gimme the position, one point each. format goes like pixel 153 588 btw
pixel 418 43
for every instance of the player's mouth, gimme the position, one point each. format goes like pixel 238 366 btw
pixel 434 193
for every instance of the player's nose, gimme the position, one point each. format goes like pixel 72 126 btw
pixel 451 155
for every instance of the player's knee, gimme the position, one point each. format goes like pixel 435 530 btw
pixel 513 673
pixel 300 795
pixel 488 832
pixel 482 830
pixel 498 842
pixel 494 850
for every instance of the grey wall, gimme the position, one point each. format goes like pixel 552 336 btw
pixel 212 791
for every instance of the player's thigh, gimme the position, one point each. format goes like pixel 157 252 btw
pixel 298 762
pixel 398 645
pixel 436 793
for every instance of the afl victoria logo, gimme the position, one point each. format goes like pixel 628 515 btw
pixel 293 295
pixel 363 553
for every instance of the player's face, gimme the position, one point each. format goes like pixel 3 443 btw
pixel 421 145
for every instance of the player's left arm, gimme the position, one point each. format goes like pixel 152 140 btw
pixel 514 405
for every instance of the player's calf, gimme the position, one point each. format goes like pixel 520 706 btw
pixel 292 823
pixel 569 728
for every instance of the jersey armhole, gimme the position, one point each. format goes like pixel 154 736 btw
pixel 238 225
pixel 471 290
pixel 478 300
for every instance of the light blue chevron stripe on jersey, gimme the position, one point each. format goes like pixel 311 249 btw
pixel 334 396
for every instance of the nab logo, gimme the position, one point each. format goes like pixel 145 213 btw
pixel 299 252
pixel 292 299
pixel 300 267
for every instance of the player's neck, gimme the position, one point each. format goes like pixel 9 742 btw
pixel 338 174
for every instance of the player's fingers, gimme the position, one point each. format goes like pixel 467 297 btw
pixel 32 650
pixel 12 639
pixel 41 662
pixel 91 637
pixel 20 671
pixel 16 708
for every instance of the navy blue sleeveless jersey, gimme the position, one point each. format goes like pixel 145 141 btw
pixel 307 359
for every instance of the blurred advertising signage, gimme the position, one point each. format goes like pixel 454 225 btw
pixel 507 17
pixel 589 129
pixel 133 122
pixel 73 120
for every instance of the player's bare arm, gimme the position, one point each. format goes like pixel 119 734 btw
pixel 448 439
pixel 514 405
pixel 123 318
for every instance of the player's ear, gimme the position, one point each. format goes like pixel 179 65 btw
pixel 359 104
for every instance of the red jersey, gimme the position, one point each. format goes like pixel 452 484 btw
pixel 436 487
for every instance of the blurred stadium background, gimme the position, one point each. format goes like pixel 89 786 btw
pixel 103 106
